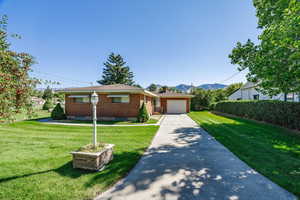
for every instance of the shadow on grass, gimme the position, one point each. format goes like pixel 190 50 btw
pixel 115 170
pixel 65 170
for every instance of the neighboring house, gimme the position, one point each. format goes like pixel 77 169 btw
pixel 248 92
pixel 37 101
pixel 121 102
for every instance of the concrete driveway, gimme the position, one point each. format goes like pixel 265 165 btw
pixel 185 163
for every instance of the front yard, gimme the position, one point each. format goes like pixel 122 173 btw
pixel 270 150
pixel 36 162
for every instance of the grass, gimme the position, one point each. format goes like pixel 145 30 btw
pixel 270 150
pixel 150 121
pixel 38 113
pixel 36 162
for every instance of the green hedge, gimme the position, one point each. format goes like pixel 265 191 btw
pixel 281 113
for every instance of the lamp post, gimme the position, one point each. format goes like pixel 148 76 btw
pixel 94 101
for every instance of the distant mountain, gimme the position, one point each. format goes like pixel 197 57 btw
pixel 214 86
pixel 183 87
pixel 186 88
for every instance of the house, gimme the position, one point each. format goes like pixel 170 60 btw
pixel 121 102
pixel 249 92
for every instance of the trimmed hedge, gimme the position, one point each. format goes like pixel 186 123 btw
pixel 143 114
pixel 281 113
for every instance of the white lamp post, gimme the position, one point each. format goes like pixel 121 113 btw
pixel 94 101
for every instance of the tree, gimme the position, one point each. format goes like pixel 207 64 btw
pixel 143 114
pixel 274 63
pixel 219 95
pixel 202 99
pixel 16 87
pixel 152 87
pixel 164 89
pixel 115 71
pixel 48 104
pixel 229 90
pixel 58 112
pixel 48 93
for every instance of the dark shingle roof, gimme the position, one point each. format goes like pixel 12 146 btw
pixel 104 87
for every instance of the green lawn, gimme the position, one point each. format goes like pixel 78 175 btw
pixel 272 151
pixel 38 113
pixel 36 162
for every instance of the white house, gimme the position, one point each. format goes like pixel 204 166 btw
pixel 248 92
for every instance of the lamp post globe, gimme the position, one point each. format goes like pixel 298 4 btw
pixel 94 98
pixel 94 101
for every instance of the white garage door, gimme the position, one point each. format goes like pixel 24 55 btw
pixel 176 106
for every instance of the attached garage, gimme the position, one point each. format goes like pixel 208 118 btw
pixel 175 103
pixel 176 106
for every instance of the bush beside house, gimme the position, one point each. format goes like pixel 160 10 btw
pixel 58 112
pixel 281 113
pixel 143 114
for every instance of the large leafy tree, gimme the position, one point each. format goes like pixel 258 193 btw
pixel 116 72
pixel 274 63
pixel 202 99
pixel 16 87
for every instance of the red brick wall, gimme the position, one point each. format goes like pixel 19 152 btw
pixel 105 107
pixel 163 103
pixel 149 104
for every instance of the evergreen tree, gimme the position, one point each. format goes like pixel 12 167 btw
pixel 115 71
pixel 143 114
pixel 152 87
pixel 48 93
pixel 58 112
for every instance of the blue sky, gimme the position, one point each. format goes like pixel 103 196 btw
pixel 163 41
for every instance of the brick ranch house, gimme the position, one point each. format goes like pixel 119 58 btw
pixel 122 102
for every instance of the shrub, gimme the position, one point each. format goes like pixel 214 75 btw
pixel 281 113
pixel 58 112
pixel 143 114
pixel 48 104
pixel 202 99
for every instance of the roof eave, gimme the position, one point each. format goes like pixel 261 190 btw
pixel 131 91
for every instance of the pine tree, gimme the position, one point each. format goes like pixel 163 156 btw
pixel 115 71
pixel 48 93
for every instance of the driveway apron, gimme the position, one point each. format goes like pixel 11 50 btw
pixel 185 163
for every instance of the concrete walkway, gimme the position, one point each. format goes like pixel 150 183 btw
pixel 185 163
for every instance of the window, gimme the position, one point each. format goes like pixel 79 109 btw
pixel 256 97
pixel 80 98
pixel 120 99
